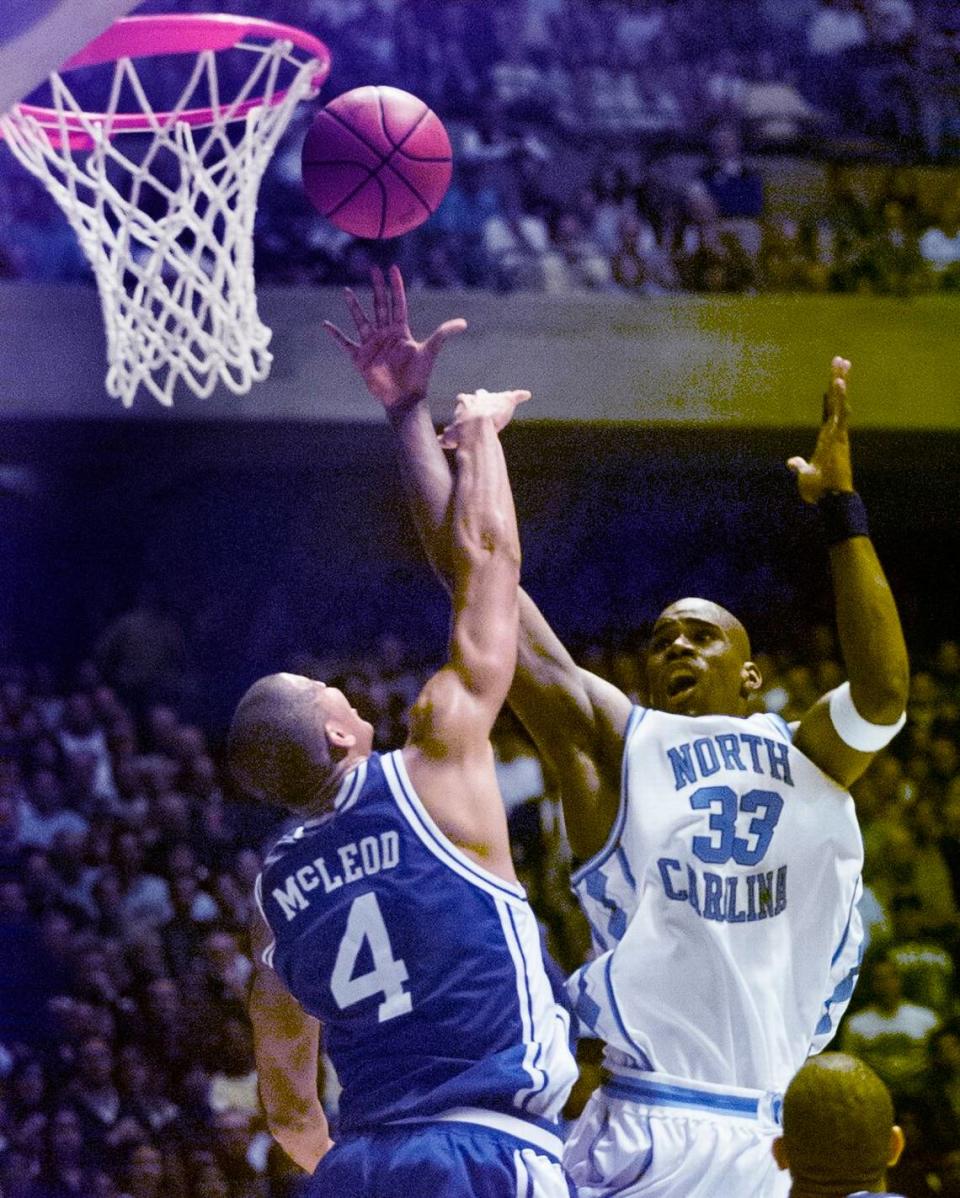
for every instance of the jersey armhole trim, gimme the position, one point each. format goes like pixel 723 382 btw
pixel 780 724
pixel 637 716
pixel 421 822
pixel 267 955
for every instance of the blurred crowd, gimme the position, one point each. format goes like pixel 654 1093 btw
pixel 126 874
pixel 624 146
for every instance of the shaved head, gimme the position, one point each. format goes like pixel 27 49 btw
pixel 713 613
pixel 838 1132
pixel 698 661
pixel 274 746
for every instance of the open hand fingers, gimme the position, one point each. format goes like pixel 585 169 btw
pixel 398 296
pixel 434 343
pixel 364 328
pixel 835 406
pixel 340 337
pixel 382 302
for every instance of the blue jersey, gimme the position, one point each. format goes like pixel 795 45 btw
pixel 424 968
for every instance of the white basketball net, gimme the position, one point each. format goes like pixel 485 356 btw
pixel 177 290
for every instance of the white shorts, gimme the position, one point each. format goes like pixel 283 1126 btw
pixel 653 1136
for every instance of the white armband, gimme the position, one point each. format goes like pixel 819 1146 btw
pixel 853 729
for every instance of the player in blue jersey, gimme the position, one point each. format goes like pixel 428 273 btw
pixel 839 1138
pixel 392 917
pixel 720 851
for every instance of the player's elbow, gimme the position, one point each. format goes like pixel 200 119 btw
pixel 287 1121
pixel 487 668
pixel 882 698
pixel 493 536
pixel 290 1119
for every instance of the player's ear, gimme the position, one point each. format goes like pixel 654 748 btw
pixel 897 1142
pixel 338 737
pixel 750 679
pixel 779 1150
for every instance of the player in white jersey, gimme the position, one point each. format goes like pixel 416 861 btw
pixel 721 854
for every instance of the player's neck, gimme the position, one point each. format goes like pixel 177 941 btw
pixel 802 1189
pixel 322 794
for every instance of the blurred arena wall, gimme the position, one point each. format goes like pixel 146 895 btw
pixel 683 360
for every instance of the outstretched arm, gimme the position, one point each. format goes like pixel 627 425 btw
pixel 286 1043
pixel 576 719
pixel 448 753
pixel 458 705
pixel 868 626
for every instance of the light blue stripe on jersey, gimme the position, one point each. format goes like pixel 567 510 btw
pixel 642 1060
pixel 663 1094
pixel 423 825
pixel 637 716
pixel 843 991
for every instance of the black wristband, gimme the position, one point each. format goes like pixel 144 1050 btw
pixel 843 516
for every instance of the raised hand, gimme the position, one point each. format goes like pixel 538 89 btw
pixel 473 405
pixel 829 469
pixel 395 367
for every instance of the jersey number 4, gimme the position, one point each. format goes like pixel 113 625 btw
pixel 724 807
pixel 365 923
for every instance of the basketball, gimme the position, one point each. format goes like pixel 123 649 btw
pixel 376 162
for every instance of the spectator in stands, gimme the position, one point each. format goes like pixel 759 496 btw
pixel 638 262
pixel 940 245
pixel 735 188
pixel 773 110
pixel 638 26
pixel 462 216
pixel 582 264
pixel 709 258
pixel 44 816
pixel 940 1091
pixel 835 28
pixel 890 1034
pixel 517 245
pixel 518 84
pixel 835 35
pixel 724 85
pixel 925 966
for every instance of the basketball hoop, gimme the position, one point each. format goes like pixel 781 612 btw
pixel 176 288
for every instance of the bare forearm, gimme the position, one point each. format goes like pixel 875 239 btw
pixel 486 564
pixel 485 520
pixel 304 1142
pixel 871 638
pixel 427 481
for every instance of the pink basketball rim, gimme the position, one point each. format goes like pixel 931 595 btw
pixel 174 33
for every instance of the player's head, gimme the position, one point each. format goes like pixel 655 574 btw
pixel 698 661
pixel 291 739
pixel 838 1131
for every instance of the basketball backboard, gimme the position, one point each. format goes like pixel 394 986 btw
pixel 37 36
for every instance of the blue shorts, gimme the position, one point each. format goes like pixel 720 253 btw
pixel 450 1156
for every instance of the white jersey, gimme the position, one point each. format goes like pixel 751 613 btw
pixel 723 906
